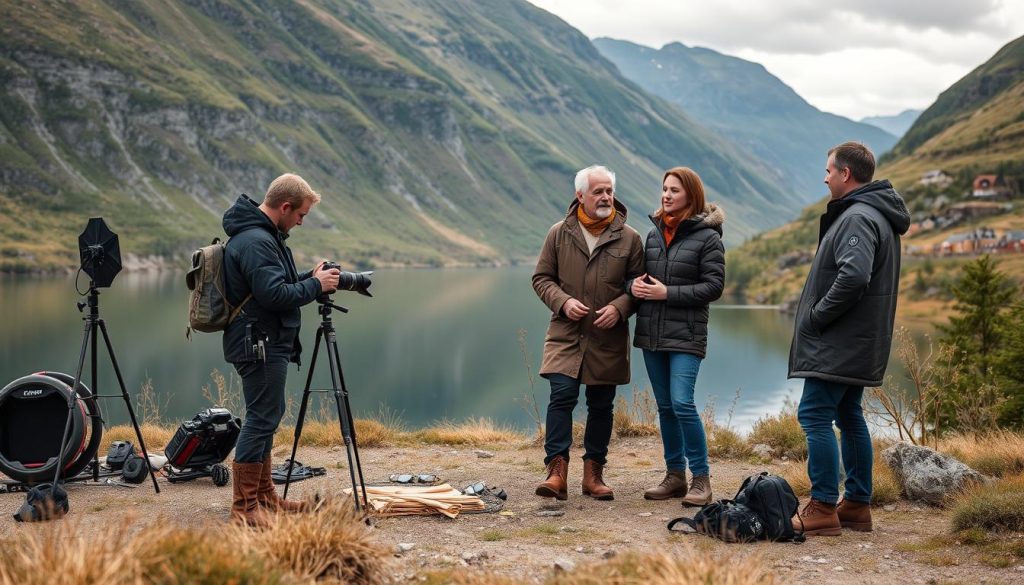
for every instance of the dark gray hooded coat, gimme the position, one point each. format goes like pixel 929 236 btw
pixel 257 260
pixel 844 321
pixel 693 269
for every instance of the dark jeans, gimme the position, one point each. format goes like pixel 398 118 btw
pixel 673 376
pixel 565 392
pixel 823 402
pixel 263 388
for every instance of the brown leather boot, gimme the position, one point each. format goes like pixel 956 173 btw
pixel 819 519
pixel 267 496
pixel 673 486
pixel 556 485
pixel 854 515
pixel 245 507
pixel 699 493
pixel 593 482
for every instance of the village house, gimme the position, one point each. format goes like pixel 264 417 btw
pixel 978 239
pixel 990 187
pixel 935 177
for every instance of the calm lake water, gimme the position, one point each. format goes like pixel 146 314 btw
pixel 430 345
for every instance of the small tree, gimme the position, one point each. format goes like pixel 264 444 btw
pixel 982 296
pixel 1009 370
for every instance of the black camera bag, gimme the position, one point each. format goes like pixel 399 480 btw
pixel 43 502
pixel 119 452
pixel 771 498
pixel 725 520
pixel 205 440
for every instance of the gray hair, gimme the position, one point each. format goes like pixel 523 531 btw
pixel 583 177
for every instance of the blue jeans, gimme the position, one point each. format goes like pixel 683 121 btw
pixel 823 402
pixel 565 392
pixel 673 376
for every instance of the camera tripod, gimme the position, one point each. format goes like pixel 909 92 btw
pixel 325 332
pixel 93 325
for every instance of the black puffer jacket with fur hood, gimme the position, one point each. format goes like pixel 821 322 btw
pixel 693 269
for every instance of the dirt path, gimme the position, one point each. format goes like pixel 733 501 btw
pixel 525 544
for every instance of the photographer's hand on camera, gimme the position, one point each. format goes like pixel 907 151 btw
pixel 328 277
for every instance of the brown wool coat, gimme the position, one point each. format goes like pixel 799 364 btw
pixel 566 269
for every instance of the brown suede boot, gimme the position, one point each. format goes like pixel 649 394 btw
pixel 673 486
pixel 267 496
pixel 819 519
pixel 245 507
pixel 699 493
pixel 593 482
pixel 854 515
pixel 556 485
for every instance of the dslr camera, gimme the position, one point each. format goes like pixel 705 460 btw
pixel 353 281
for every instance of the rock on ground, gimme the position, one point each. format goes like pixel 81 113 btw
pixel 928 475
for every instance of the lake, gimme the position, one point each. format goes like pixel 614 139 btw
pixel 430 345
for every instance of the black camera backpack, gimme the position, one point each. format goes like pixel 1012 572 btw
pixel 725 520
pixel 771 498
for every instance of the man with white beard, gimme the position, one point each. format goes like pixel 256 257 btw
pixel 581 274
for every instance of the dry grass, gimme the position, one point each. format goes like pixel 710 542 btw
pixel 998 507
pixel 480 431
pixel 999 453
pixel 638 418
pixel 782 433
pixel 885 486
pixel 692 567
pixel 156 435
pixel 725 443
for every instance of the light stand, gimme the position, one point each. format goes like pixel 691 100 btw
pixel 325 332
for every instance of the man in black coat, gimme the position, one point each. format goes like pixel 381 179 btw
pixel 843 334
pixel 260 274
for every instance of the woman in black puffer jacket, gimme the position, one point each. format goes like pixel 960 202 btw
pixel 685 263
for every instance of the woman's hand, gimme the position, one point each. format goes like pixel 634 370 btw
pixel 649 288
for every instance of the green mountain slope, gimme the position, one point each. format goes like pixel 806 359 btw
pixel 975 127
pixel 742 101
pixel 438 131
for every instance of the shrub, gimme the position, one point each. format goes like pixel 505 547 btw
pixel 998 507
pixel 782 433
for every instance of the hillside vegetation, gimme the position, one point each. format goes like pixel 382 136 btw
pixel 439 132
pixel 975 127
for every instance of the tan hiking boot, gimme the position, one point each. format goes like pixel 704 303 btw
pixel 245 508
pixel 854 515
pixel 267 496
pixel 699 493
pixel 673 486
pixel 819 519
pixel 593 482
pixel 557 484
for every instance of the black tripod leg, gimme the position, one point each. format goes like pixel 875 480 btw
pixel 71 400
pixel 345 421
pixel 302 411
pixel 128 403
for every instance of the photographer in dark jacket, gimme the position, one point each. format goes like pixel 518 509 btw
pixel 843 334
pixel 260 274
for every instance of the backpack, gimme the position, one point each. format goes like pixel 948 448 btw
pixel 43 502
pixel 725 520
pixel 773 500
pixel 208 306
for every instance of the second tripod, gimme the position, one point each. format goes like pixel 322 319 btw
pixel 325 332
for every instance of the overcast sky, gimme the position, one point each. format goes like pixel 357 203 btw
pixel 870 57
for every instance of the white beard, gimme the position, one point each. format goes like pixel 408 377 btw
pixel 603 212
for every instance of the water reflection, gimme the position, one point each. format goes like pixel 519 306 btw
pixel 431 344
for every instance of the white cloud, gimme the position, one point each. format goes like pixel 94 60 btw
pixel 874 57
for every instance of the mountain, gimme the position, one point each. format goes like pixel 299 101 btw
pixel 744 102
pixel 974 127
pixel 897 125
pixel 438 131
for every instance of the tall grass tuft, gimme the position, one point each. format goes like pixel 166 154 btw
pixel 638 418
pixel 997 507
pixel 479 431
pixel 782 433
pixel 723 441
pixel 156 435
pixel 331 545
pixel 999 453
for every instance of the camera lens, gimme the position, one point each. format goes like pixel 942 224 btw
pixel 356 281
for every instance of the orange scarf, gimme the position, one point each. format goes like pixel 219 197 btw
pixel 669 225
pixel 594 226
